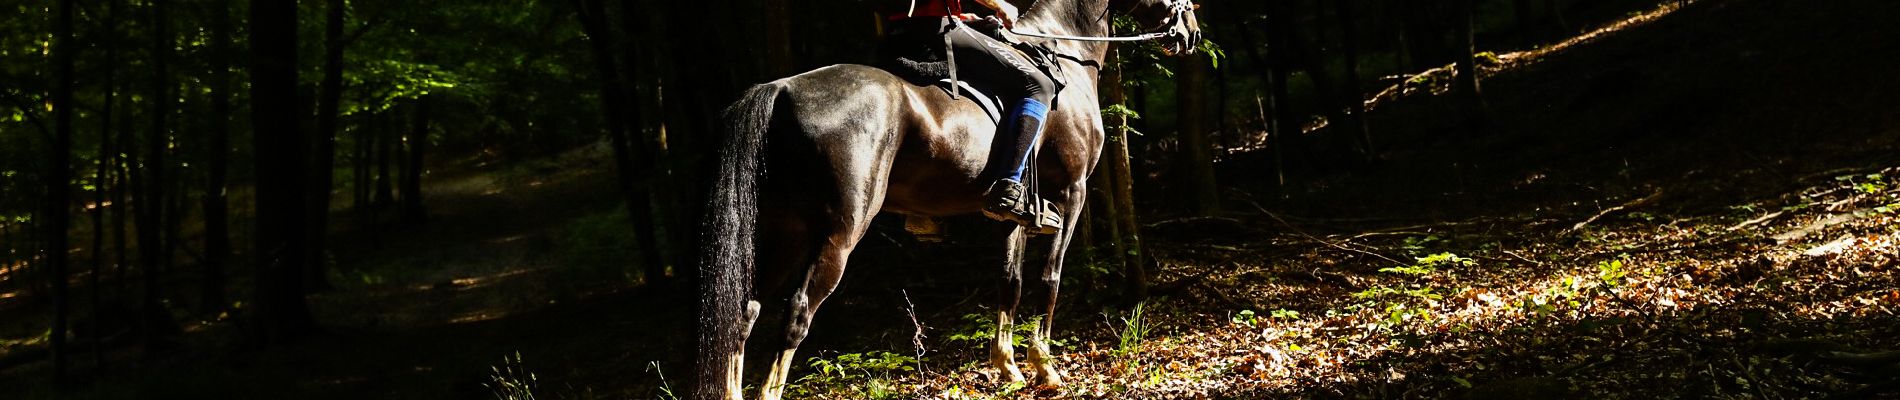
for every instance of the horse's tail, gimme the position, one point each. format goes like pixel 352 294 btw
pixel 726 259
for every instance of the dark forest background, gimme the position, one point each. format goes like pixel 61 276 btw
pixel 333 198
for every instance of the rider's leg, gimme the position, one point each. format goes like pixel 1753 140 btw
pixel 996 61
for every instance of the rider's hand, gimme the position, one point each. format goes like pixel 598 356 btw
pixel 1006 13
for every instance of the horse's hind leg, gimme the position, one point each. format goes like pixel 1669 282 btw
pixel 821 277
pixel 1045 287
pixel 1002 349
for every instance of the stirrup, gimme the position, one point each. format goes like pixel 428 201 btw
pixel 1009 202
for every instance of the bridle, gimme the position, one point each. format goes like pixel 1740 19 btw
pixel 1177 14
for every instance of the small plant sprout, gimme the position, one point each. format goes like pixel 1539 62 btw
pixel 511 380
pixel 1285 314
pixel 1246 317
pixel 666 390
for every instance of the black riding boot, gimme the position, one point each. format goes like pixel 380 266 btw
pixel 1008 199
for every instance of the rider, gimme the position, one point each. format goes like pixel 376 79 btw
pixel 994 61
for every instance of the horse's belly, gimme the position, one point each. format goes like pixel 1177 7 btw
pixel 939 172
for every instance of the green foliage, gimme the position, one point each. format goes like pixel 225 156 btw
pixel 1246 317
pixel 1611 273
pixel 854 375
pixel 979 328
pixel 1134 330
pixel 511 380
pixel 1429 264
pixel 1388 292
pixel 1285 314
pixel 1249 318
pixel 600 246
pixel 1119 110
pixel 1213 51
pixel 1487 58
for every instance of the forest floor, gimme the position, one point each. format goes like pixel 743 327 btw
pixel 1697 202
pixel 1703 202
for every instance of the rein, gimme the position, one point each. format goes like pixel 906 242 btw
pixel 1137 38
pixel 1180 9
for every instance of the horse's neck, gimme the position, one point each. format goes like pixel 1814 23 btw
pixel 1073 18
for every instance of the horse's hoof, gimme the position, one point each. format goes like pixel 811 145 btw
pixel 1048 380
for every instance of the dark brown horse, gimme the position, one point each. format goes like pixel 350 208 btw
pixel 810 159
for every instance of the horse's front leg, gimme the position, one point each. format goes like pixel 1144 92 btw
pixel 1002 349
pixel 1047 284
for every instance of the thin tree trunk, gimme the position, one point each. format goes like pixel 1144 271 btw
pixel 8 273
pixel 102 180
pixel 124 182
pixel 58 190
pixel 644 65
pixel 778 38
pixel 616 104
pixel 1269 112
pixel 330 93
pixel 1121 186
pixel 282 179
pixel 360 161
pixel 1286 127
pixel 152 202
pixel 386 148
pixel 1526 26
pixel 1556 10
pixel 418 140
pixel 1197 162
pixel 1353 93
pixel 216 206
pixel 1467 64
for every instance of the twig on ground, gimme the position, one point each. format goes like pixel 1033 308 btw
pixel 1612 210
pixel 1765 218
pixel 1195 219
pixel 1316 239
pixel 1217 294
pixel 916 337
pixel 1522 258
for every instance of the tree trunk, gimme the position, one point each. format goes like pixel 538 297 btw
pixel 1352 92
pixel 58 190
pixel 1262 67
pixel 1121 187
pixel 322 173
pixel 1197 161
pixel 1526 24
pixel 1467 64
pixel 778 38
pixel 386 148
pixel 418 140
pixel 102 178
pixel 645 76
pixel 281 179
pixel 1286 129
pixel 1556 10
pixel 360 178
pixel 216 206
pixel 123 184
pixel 152 201
pixel 616 104
pixel 7 270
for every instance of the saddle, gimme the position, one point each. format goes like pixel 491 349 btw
pixel 928 62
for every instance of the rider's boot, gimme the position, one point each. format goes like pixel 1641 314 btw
pixel 1007 199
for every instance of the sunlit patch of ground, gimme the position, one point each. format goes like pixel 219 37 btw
pixel 1710 306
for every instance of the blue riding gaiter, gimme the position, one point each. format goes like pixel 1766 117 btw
pixel 1028 129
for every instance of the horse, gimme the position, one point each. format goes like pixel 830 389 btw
pixel 807 161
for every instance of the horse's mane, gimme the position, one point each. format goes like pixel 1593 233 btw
pixel 1072 17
